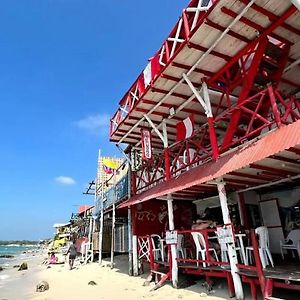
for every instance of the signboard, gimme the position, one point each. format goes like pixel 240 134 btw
pixel 171 237
pixel 146 144
pixel 225 235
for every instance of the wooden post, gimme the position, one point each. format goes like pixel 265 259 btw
pixel 174 268
pixel 100 167
pixel 130 258
pixel 113 225
pixel 101 233
pixel 243 212
pixel 231 246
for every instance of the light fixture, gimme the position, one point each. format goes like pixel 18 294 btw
pixel 172 111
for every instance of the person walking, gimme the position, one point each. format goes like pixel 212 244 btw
pixel 73 253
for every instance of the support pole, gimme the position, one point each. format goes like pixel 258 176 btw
pixel 135 255
pixel 243 211
pixel 89 246
pixel 231 246
pixel 173 259
pixel 102 208
pixel 101 232
pixel 130 257
pixel 112 249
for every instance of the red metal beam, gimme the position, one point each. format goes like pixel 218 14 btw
pixel 273 170
pixel 271 16
pixel 230 32
pixel 252 24
pixel 185 97
pixel 285 159
pixel 294 150
pixel 213 52
pixel 251 45
pixel 187 67
pixel 169 105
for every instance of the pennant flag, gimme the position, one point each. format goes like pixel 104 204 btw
pixel 151 70
pixel 110 166
pixel 185 128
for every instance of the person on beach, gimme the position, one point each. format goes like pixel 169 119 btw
pixel 53 258
pixel 73 252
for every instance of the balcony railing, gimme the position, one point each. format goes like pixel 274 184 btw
pixel 115 194
pixel 259 114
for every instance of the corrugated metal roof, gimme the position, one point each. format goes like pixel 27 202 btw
pixel 275 142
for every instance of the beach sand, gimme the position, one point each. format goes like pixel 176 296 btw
pixel 17 285
pixel 111 284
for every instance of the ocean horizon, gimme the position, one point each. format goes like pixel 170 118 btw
pixel 14 250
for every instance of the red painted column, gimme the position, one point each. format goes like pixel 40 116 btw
pixel 167 164
pixel 213 138
pixel 243 211
pixel 274 106
pixel 246 88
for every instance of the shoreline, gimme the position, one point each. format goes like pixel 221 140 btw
pixel 14 283
pixel 111 284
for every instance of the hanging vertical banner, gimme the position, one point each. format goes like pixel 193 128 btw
pixel 146 144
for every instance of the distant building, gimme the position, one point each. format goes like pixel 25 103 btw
pixel 106 177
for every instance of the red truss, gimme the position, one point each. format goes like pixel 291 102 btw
pixel 247 55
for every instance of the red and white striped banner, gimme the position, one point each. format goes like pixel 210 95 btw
pixel 146 144
pixel 185 128
pixel 149 73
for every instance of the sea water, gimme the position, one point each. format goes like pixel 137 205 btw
pixel 19 253
pixel 14 250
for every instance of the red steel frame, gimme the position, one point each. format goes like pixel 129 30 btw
pixel 182 31
pixel 254 112
pixel 267 110
pixel 257 110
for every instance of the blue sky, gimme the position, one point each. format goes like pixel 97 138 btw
pixel 65 64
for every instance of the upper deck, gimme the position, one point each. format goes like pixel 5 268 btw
pixel 231 64
pixel 209 37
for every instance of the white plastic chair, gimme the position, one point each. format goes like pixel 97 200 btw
pixel 294 237
pixel 201 247
pixel 263 247
pixel 224 251
pixel 181 252
pixel 158 252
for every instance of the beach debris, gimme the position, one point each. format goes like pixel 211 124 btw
pixel 92 282
pixel 146 283
pixel 16 266
pixel 42 286
pixel 6 256
pixel 23 266
pixel 1 269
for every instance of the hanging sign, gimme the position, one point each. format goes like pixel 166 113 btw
pixel 146 144
pixel 171 237
pixel 225 235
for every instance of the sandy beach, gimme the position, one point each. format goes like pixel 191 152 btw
pixel 110 284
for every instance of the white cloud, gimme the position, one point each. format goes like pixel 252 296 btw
pixel 65 180
pixel 98 123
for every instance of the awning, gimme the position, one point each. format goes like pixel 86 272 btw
pixel 273 143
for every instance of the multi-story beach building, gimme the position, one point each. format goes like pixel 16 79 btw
pixel 213 128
